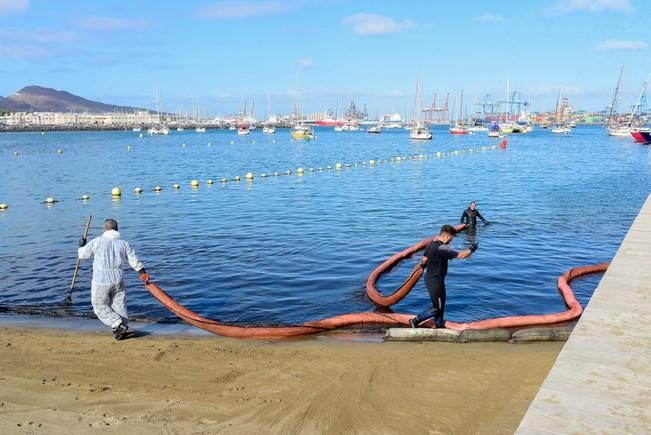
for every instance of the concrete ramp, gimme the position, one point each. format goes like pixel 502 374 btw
pixel 601 381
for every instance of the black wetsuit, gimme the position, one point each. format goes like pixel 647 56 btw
pixel 469 217
pixel 437 255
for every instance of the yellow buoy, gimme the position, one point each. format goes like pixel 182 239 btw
pixel 85 197
pixel 59 151
pixel 176 186
pixel 338 166
pixel 210 182
pixel 249 175
pixel 300 171
pixel 371 162
pixel 157 189
pixel 398 159
pixel 194 183
pixel 3 206
pixel 137 190
pixel 116 191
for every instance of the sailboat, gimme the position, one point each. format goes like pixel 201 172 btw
pixel 613 126
pixel 560 127
pixel 419 131
pixel 161 130
pixel 268 127
pixel 458 127
pixel 507 126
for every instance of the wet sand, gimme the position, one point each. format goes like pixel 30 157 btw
pixel 54 381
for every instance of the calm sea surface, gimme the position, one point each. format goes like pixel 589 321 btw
pixel 288 249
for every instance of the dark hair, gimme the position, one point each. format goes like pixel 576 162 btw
pixel 449 229
pixel 110 224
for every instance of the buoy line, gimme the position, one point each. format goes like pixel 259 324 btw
pixel 116 192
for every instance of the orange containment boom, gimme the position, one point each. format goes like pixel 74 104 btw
pixel 385 319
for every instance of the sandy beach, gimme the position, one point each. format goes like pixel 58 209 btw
pixel 54 381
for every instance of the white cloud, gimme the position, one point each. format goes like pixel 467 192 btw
pixel 373 24
pixel 618 45
pixel 229 9
pixel 109 23
pixel 569 6
pixel 489 17
pixel 13 6
pixel 40 36
pixel 305 63
pixel 13 52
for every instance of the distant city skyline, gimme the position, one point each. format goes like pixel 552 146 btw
pixel 215 55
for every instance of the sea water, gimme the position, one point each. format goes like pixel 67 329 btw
pixel 291 248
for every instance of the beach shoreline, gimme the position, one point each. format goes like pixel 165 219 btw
pixel 74 381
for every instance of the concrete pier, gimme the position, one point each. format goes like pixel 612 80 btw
pixel 601 381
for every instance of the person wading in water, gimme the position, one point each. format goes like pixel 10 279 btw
pixel 470 215
pixel 436 258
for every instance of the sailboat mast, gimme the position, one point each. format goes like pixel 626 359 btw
pixel 614 103
pixel 417 101
pixel 639 100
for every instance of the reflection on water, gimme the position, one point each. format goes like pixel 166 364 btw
pixel 293 248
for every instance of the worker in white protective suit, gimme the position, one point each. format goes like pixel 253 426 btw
pixel 108 295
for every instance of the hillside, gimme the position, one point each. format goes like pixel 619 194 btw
pixel 40 99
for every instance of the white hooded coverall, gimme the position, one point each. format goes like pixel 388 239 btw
pixel 107 290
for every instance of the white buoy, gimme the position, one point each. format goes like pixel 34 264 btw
pixel 137 190
pixel 223 180
pixel 237 178
pixel 263 175
pixel 50 200
pixel 85 197
pixel 288 172
pixel 15 153
pixel 59 151
pixel 157 189
pixel 128 147
pixel 3 206
pixel 210 182
pixel 176 186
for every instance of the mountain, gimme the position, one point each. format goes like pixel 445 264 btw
pixel 39 99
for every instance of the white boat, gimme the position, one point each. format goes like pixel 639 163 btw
pixel 200 129
pixel 163 131
pixel 268 129
pixel 243 130
pixel 561 127
pixel 339 128
pixel 619 130
pixel 136 129
pixel 180 129
pixel 495 131
pixel 376 129
pixel 419 131
pixel 477 129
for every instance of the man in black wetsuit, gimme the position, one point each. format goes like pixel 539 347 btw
pixel 436 259
pixel 470 215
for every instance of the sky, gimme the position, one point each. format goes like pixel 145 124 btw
pixel 215 55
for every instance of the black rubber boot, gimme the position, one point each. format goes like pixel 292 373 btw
pixel 119 331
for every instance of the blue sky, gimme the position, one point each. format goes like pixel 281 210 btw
pixel 217 54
